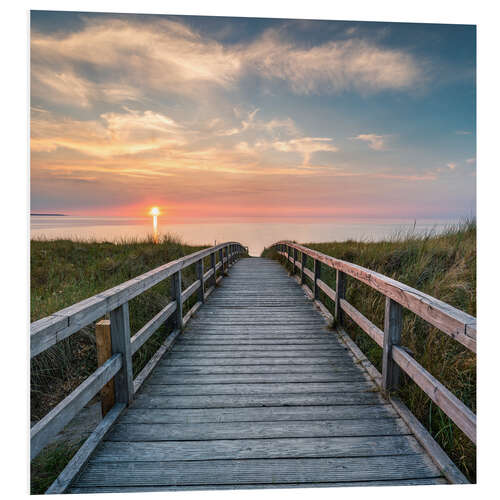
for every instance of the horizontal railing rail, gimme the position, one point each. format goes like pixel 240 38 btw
pixel 117 367
pixel 455 323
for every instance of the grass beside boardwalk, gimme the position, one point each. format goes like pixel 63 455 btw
pixel 64 272
pixel 443 266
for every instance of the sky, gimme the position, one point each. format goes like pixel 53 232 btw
pixel 251 118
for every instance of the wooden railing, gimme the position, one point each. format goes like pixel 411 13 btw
pixel 48 331
pixel 457 324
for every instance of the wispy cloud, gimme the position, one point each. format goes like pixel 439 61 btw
pixel 463 132
pixel 451 165
pixel 376 142
pixel 169 56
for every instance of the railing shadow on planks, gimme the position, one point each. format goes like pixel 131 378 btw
pixel 50 330
pixel 457 324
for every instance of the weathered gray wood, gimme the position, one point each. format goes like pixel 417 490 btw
pixel 63 413
pixel 167 451
pixel 449 403
pixel 341 376
pixel 255 389
pixel 213 266
pixel 138 340
pixel 177 297
pixel 48 331
pixel 191 313
pixel 237 348
pixel 438 456
pixel 120 344
pixel 364 323
pixel 257 486
pixel 151 364
pixel 61 484
pixel 250 471
pixel 144 400
pixel 190 290
pixel 103 351
pixel 317 275
pixel 458 324
pixel 303 261
pixel 339 295
pixel 201 279
pixel 393 325
pixel 257 414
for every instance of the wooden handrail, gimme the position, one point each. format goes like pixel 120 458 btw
pixel 46 332
pixel 458 324
pixel 450 320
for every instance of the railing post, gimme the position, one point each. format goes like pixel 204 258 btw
pixel 176 295
pixel 393 324
pixel 339 294
pixel 294 259
pixel 212 264
pixel 303 263
pixel 221 258
pixel 227 259
pixel 317 274
pixel 103 347
pixel 120 343
pixel 200 271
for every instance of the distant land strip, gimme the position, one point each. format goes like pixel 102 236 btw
pixel 49 215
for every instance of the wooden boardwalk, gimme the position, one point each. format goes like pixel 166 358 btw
pixel 257 392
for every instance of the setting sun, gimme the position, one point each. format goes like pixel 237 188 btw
pixel 154 211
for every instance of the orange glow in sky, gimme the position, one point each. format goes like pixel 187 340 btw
pixel 154 211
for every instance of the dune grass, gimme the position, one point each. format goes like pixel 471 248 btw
pixel 442 265
pixel 64 272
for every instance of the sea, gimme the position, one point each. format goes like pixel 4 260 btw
pixel 255 234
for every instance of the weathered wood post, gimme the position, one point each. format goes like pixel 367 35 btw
pixel 393 325
pixel 227 259
pixel 221 259
pixel 200 272
pixel 177 296
pixel 339 294
pixel 103 347
pixel 317 275
pixel 120 343
pixel 212 264
pixel 303 261
pixel 294 260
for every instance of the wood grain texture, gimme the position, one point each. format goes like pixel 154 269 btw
pixel 256 391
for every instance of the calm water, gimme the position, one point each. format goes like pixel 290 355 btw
pixel 255 235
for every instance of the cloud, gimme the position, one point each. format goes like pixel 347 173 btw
pixel 333 67
pixel 117 60
pixel 376 142
pixel 463 132
pixel 305 146
pixel 451 165
pixel 470 161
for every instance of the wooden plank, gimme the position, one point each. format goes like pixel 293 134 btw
pixel 330 376
pixel 262 353
pixel 255 486
pixel 151 364
pixel 256 414
pixel 191 313
pixel 201 278
pixel 254 360
pixel 364 323
pixel 237 449
pixel 256 389
pixel 177 297
pixel 120 344
pixel 103 349
pixel 144 400
pixel 448 402
pixel 63 481
pixel 241 348
pixel 63 413
pixel 340 367
pixel 138 340
pixel 257 430
pixel 298 470
pixel 393 326
pixel 438 456
pixel 190 290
